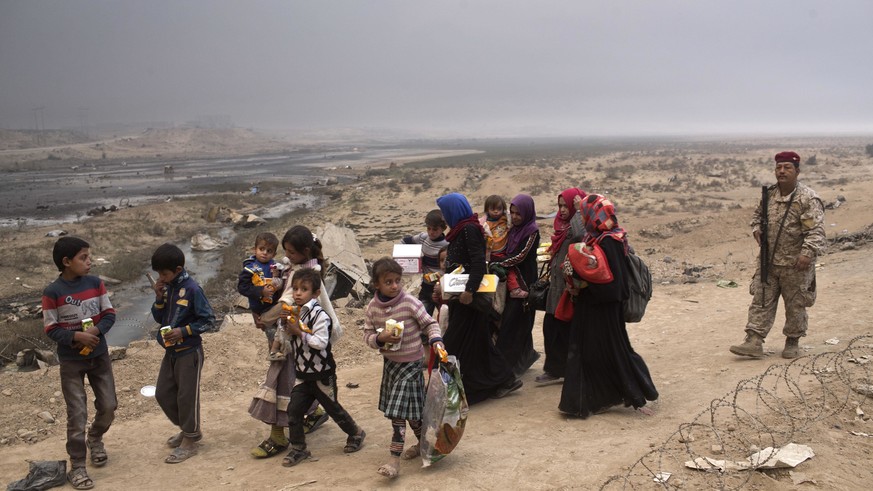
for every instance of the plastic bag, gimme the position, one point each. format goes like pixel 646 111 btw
pixel 445 411
pixel 44 474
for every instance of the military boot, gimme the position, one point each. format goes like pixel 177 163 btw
pixel 752 346
pixel 791 350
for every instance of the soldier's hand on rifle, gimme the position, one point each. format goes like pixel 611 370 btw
pixel 802 263
pixel 757 235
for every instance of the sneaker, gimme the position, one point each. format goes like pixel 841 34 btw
pixel 312 422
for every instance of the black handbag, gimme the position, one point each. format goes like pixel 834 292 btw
pixel 539 290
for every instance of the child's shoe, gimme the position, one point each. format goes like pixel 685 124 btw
pixel 276 356
pixel 518 293
pixel 312 422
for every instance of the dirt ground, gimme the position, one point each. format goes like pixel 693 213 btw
pixel 687 210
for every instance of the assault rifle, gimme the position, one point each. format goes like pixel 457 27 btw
pixel 765 249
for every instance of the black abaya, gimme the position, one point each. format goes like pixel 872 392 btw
pixel 602 368
pixel 468 336
pixel 515 337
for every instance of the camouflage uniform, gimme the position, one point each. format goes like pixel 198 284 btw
pixel 803 233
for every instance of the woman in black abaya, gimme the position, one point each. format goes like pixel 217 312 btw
pixel 603 370
pixel 515 337
pixel 484 371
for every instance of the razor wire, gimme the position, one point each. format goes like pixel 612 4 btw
pixel 768 410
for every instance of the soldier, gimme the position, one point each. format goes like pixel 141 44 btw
pixel 795 237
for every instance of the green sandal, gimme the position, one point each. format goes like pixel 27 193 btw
pixel 268 448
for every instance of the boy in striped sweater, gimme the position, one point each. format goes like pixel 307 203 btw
pixel 432 242
pixel 72 298
pixel 401 396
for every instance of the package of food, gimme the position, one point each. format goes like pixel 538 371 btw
pixel 445 411
pixel 396 329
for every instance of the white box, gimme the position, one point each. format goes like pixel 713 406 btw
pixel 456 283
pixel 408 256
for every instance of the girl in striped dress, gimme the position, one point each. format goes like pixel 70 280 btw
pixel 401 396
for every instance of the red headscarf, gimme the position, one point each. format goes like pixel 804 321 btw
pixel 562 226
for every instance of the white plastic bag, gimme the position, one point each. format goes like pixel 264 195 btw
pixel 445 411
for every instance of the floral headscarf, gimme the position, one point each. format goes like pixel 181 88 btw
pixel 598 215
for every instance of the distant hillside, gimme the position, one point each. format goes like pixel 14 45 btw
pixel 24 139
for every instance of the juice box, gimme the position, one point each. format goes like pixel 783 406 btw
pixel 164 332
pixel 87 323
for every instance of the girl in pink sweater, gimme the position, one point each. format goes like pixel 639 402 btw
pixel 401 396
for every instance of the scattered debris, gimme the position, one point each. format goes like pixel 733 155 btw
pixel 833 205
pixel 93 212
pixel 203 242
pixel 662 477
pixel 226 215
pixel 832 341
pixel 35 358
pixel 788 456
pixel 726 284
pixel 56 233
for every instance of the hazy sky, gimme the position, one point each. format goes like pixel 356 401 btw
pixel 469 67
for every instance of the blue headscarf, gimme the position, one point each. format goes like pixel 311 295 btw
pixel 455 208
pixel 458 213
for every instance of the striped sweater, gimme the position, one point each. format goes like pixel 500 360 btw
pixel 64 305
pixel 404 307
pixel 430 249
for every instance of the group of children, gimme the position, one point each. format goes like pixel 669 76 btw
pixel 288 302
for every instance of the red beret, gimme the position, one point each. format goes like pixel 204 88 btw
pixel 787 157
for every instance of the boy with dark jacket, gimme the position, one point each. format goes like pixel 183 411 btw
pixel 184 313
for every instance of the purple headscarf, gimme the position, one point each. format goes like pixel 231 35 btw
pixel 517 235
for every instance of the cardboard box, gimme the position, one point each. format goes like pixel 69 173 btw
pixel 408 256
pixel 455 283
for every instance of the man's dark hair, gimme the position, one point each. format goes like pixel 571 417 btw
pixel 67 247
pixel 167 258
pixel 434 218
pixel 307 275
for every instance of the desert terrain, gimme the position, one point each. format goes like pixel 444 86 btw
pixel 686 206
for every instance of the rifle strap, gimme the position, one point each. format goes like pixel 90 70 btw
pixel 781 227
